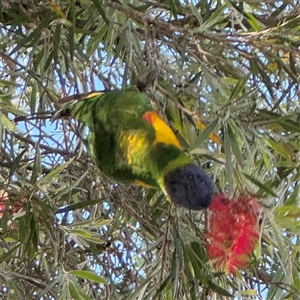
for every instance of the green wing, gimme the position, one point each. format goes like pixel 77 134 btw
pixel 119 139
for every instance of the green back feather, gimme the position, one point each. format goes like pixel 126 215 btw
pixel 120 141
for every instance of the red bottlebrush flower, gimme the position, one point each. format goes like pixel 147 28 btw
pixel 233 231
pixel 3 198
pixel 12 208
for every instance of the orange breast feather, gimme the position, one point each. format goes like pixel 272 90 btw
pixel 164 134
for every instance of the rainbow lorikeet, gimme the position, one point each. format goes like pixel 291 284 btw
pixel 130 142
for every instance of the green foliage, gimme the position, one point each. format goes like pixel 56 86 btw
pixel 70 232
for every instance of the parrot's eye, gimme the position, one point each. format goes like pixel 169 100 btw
pixel 66 112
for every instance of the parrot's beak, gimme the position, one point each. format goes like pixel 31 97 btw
pixel 55 116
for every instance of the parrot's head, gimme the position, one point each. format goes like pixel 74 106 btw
pixel 189 186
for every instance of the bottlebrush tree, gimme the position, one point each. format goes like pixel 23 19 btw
pixel 224 77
